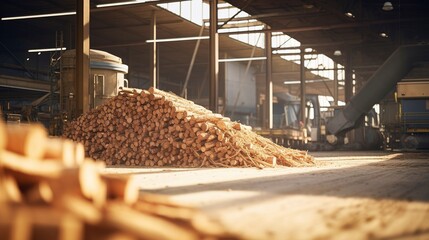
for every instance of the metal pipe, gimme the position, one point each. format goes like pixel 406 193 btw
pixel 379 85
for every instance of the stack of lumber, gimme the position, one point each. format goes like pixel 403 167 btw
pixel 49 190
pixel 157 128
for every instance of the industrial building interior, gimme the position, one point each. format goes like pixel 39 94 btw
pixel 345 81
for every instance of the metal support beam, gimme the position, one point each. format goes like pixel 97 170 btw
pixel 302 87
pixel 323 27
pixel 214 57
pixel 136 4
pixel 348 90
pixel 282 14
pixel 236 14
pixel 153 52
pixel 191 65
pixel 323 69
pixel 348 81
pixel 335 83
pixel 143 23
pixel 24 83
pixel 268 120
pixel 322 44
pixel 17 60
pixel 231 18
pixel 82 57
pixel 310 54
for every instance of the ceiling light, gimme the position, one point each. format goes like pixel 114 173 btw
pixel 177 39
pixel 121 3
pixel 337 53
pixel 387 6
pixel 46 50
pixel 242 59
pixel 38 16
pixel 308 6
pixel 291 82
pixel 384 35
pixel 349 14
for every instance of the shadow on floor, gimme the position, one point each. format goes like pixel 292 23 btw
pixel 404 177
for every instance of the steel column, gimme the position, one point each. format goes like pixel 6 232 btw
pixel 348 90
pixel 214 57
pixel 82 57
pixel 302 86
pixel 268 120
pixel 335 84
pixel 348 81
pixel 153 52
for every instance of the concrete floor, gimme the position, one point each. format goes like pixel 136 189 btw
pixel 347 195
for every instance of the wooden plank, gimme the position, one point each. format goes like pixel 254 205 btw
pixel 27 140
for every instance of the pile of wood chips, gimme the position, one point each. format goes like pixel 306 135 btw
pixel 49 190
pixel 156 128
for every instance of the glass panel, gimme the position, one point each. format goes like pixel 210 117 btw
pixel 185 10
pixel 197 10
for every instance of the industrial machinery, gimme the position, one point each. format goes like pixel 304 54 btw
pixel 107 77
pixel 405 126
pixel 404 121
pixel 105 81
pixel 289 131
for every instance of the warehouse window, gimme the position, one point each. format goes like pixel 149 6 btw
pixel 197 12
pixel 99 82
